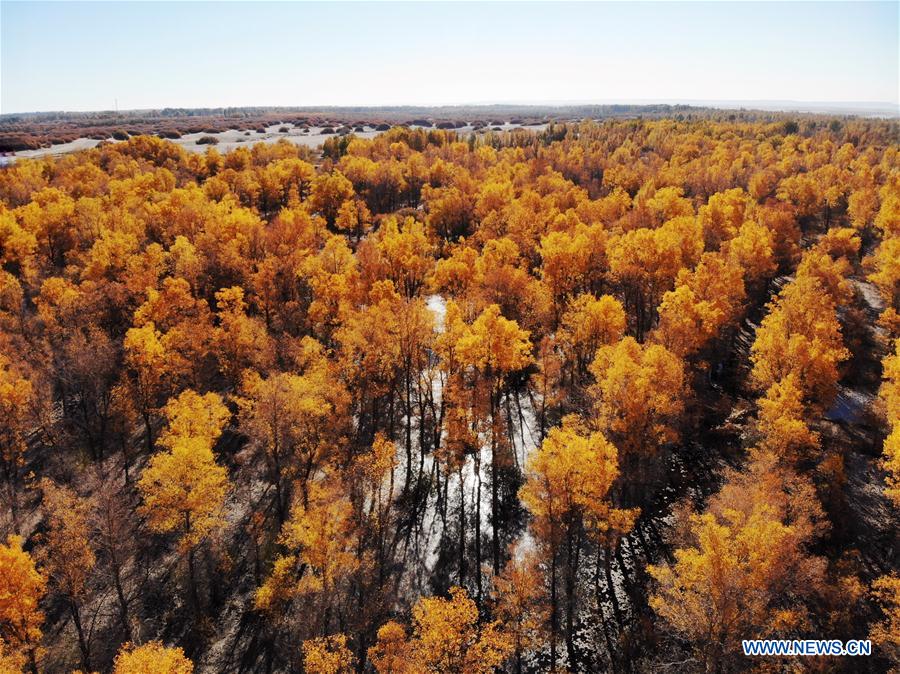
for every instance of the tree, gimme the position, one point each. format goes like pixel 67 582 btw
pixel 495 347
pixel 392 653
pixel 745 571
pixel 241 341
pixel 752 250
pixel 22 587
pixel 723 215
pixel 638 396
pixel 327 655
pixel 146 359
pixel 286 416
pixel 801 336
pixel 862 204
pixel 68 555
pixel 572 261
pixel 329 192
pixel 192 415
pixel 354 218
pixel 886 633
pixel 16 396
pixel 589 323
pixel 11 662
pixel 447 638
pixel 645 262
pixel 183 488
pixel 151 658
pixel 112 532
pixel 830 272
pixel 568 481
pixel 406 253
pixel 890 395
pixel 320 538
pixel 520 605
pixel 705 301
pixel 885 263
pixel 782 424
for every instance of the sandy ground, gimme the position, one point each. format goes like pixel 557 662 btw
pixel 231 139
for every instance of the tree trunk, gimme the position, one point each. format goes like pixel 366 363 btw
pixel 123 602
pixel 478 523
pixel 610 586
pixel 571 571
pixel 462 529
pixel 554 622
pixel 495 491
pixel 82 641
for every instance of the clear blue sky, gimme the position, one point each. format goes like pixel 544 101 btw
pixel 84 56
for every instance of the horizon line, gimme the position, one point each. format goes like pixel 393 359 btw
pixel 691 102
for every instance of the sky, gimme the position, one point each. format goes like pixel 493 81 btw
pixel 94 56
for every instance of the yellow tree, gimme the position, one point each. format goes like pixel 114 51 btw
pixel 645 263
pixel 886 633
pixel 752 250
pixel 183 488
pixel 16 396
pixel 638 398
pixel 686 323
pixel 831 273
pixel 521 604
pixel 69 558
pixel 722 216
pixel 184 326
pixel 328 655
pixel 405 253
pixel 704 302
pixel 384 348
pixel 495 347
pixel 572 260
pixel 329 192
pixel 745 570
pixel 885 264
pixel 151 658
pixel 321 539
pixel 392 653
pixel 146 361
pixel 781 423
pixel 11 662
pixel 801 336
pixel 890 395
pixel 354 218
pixel 241 340
pixel 566 492
pixel 286 416
pixel 587 324
pixel 22 587
pixel 447 639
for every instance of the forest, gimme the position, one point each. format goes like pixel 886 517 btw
pixel 611 396
pixel 29 131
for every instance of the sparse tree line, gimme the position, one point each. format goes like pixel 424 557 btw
pixel 521 402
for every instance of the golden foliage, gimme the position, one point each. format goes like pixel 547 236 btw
pixel 327 655
pixel 800 336
pixel 151 658
pixel 447 637
pixel 22 587
pixel 747 569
